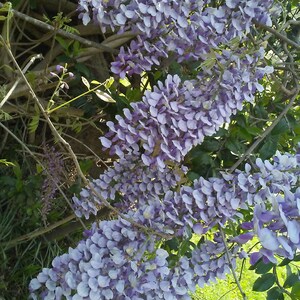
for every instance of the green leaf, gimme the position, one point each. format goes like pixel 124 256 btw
pixel 133 95
pixel 5 162
pixel 235 146
pixel 242 133
pixel 262 268
pixel 253 130
pixel 297 257
pixel 295 293
pixel 172 244
pixel 211 145
pixel 260 112
pixel 264 282
pixel 85 165
pixel 184 248
pixel 76 44
pixel 193 175
pixel 95 82
pixel 81 68
pixel 63 42
pixel 291 280
pixel 85 82
pixel 104 96
pixel 109 82
pixel 281 127
pixel 34 123
pixel 284 262
pixel 269 147
pixel 275 293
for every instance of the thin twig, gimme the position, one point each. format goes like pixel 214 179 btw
pixel 231 266
pixel 31 61
pixel 265 133
pixel 87 147
pixel 277 34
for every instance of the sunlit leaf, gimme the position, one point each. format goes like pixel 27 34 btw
pixel 85 82
pixel 104 96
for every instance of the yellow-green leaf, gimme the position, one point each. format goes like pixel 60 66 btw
pixel 34 123
pixel 85 82
pixel 104 96
pixel 95 82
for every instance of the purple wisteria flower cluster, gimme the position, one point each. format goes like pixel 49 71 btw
pixel 177 115
pixel 117 261
pixel 132 181
pixel 187 29
pixel 55 173
pixel 274 193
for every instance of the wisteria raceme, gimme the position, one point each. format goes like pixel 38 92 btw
pixel 209 262
pixel 116 262
pixel 106 265
pixel 166 124
pixel 215 201
pixel 177 115
pixel 169 121
pixel 273 193
pixel 187 29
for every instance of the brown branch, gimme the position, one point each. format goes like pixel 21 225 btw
pixel 281 36
pixel 36 233
pixel 266 132
pixel 55 231
pixel 62 32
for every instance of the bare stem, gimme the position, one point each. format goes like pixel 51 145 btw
pixel 282 37
pixel 266 132
pixel 231 266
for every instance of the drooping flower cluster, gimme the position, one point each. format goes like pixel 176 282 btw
pixel 273 193
pixel 177 115
pixel 184 29
pixel 117 262
pixel 105 265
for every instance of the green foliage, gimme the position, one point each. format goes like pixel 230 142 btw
pixel 296 291
pixel 264 282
